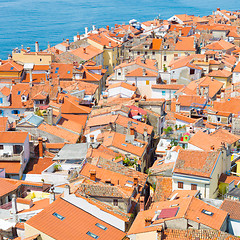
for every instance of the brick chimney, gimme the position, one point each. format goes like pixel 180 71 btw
pixel 107 27
pixel 132 131
pixel 57 51
pixel 92 138
pixel 67 41
pixel 135 180
pixel 78 36
pixel 84 50
pixel 141 203
pixel 40 147
pixel 93 175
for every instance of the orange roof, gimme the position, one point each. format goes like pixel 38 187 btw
pixel 188 100
pixel 220 73
pixel 139 72
pixel 185 44
pixel 41 67
pixel 65 71
pixel 36 78
pixel 74 225
pixel 184 118
pixel 10 66
pixel 197 163
pixel 6 187
pixel 36 166
pixel 3 124
pixel 168 86
pixel 229 178
pixel 104 40
pixel 220 45
pixel 23 201
pixel 37 205
pixel 11 167
pixel 13 137
pixel 156 44
pixel 237 68
pixel 123 85
pixel 87 53
pixel 71 105
pixel 59 132
pixel 5 91
pixel 229 105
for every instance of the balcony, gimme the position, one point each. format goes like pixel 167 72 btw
pixel 11 157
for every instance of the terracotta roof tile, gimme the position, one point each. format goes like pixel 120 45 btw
pixel 232 207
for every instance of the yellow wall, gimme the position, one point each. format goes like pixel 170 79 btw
pixel 238 168
pixel 10 74
pixel 110 56
pixel 30 231
pixel 40 58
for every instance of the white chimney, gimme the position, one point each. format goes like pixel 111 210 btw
pixel 31 78
pixel 66 191
pixel 51 195
pixel 14 208
pixel 36 47
pixel 110 44
pixel 86 31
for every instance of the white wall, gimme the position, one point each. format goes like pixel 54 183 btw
pixel 125 93
pixel 234 227
pixel 159 93
pixel 141 81
pixel 235 77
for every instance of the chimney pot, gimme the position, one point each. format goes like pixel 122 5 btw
pixel 93 175
pixel 148 221
pixel 36 47
pixel 132 131
pixel 40 147
pixel 135 180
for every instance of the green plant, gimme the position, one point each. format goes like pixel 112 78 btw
pixel 167 130
pixel 38 113
pixel 56 167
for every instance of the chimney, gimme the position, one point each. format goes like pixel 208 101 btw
pixel 13 82
pixel 218 9
pixel 28 49
pixel 144 72
pixel 58 82
pixel 0 61
pixel 40 147
pixel 92 138
pixel 222 93
pixel 110 44
pixel 57 51
pixel 232 87
pixel 31 78
pixel 107 27
pixel 180 32
pixel 148 221
pixel 135 181
pixel 78 36
pixel 93 175
pixel 36 47
pixel 86 31
pixel 141 203
pixel 50 116
pixel 14 208
pixel 84 50
pixel 132 131
pixel 51 195
pixel 212 147
pixel 67 41
pixel 66 191
pixel 177 107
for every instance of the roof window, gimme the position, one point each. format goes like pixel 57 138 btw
pixel 207 212
pixel 19 92
pixel 101 226
pixel 58 216
pixel 124 144
pixel 11 68
pixel 68 72
pixel 92 235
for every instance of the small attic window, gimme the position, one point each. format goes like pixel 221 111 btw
pixel 124 144
pixel 68 72
pixel 19 92
pixel 207 212
pixel 58 216
pixel 92 235
pixel 11 68
pixel 101 226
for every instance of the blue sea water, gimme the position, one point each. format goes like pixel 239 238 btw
pixel 27 21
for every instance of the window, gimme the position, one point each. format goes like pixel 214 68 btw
pixel 1 147
pixel 180 185
pixel 115 202
pixel 58 216
pixel 138 53
pixel 101 226
pixel 68 72
pixel 1 100
pixel 163 93
pixel 15 111
pixel 147 82
pixel 193 186
pixel 11 68
pixel 164 58
pixel 153 53
pixel 1 112
pixel 145 53
pixel 92 235
pixel 207 212
pixel 119 73
pixel 19 92
pixel 40 59
pixel 218 119
pixel 192 71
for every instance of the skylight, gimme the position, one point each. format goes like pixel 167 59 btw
pixel 58 216
pixel 207 212
pixel 11 68
pixel 68 72
pixel 92 235
pixel 124 144
pixel 101 226
pixel 19 92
